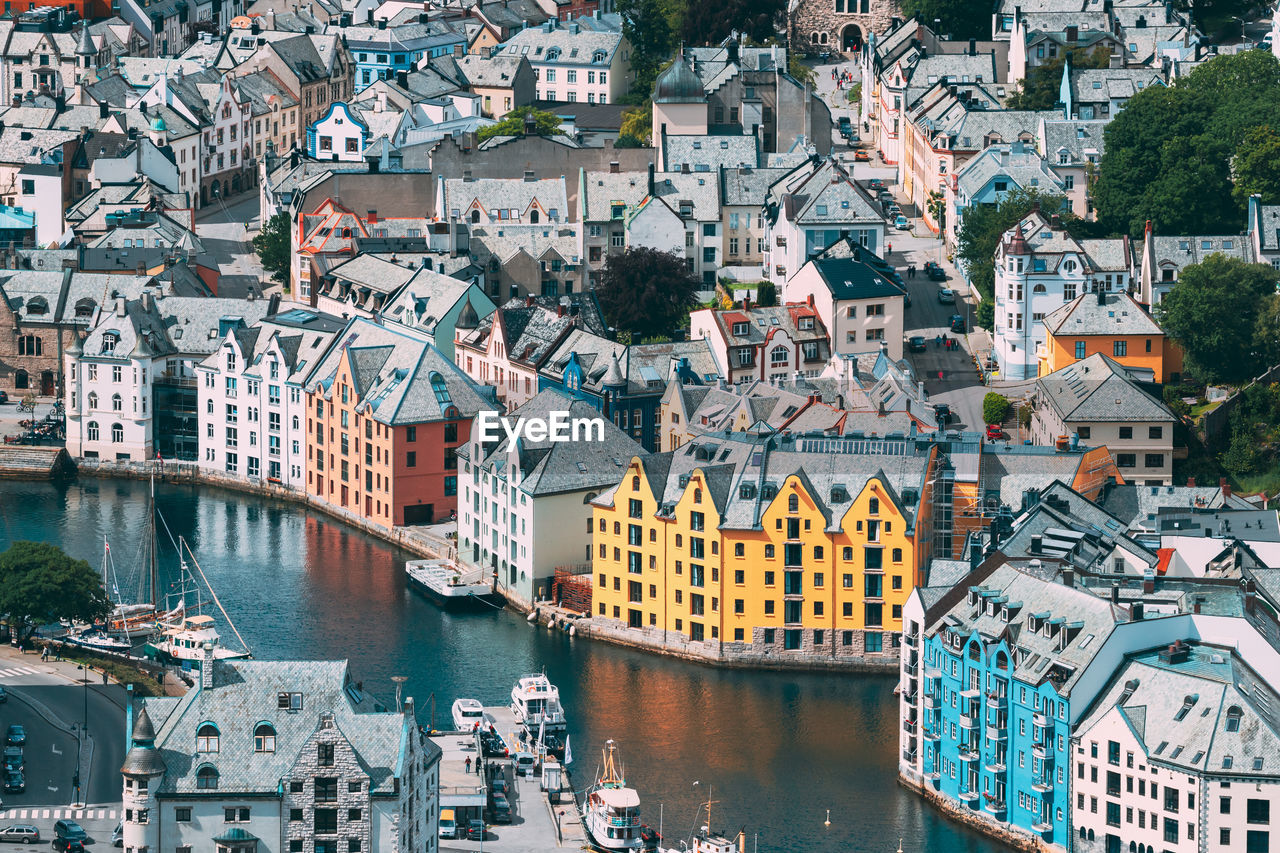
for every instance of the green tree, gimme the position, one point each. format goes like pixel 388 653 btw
pixel 710 23
pixel 995 408
pixel 1170 153
pixel 960 19
pixel 981 229
pixel 650 26
pixel 646 292
pixel 1214 315
pixel 1242 456
pixel 271 244
pixel 1042 87
pixel 1256 166
pixel 515 123
pixel 766 294
pixel 799 70
pixel 637 127
pixel 40 584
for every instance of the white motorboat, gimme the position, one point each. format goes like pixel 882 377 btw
pixel 467 714
pixel 99 642
pixel 451 587
pixel 612 812
pixel 185 641
pixel 535 702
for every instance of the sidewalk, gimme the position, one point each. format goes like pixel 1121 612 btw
pixel 70 670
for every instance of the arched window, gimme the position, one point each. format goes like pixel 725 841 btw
pixel 91 432
pixel 207 778
pixel 1133 847
pixel 897 555
pixel 1233 718
pixel 117 433
pixel 533 217
pixel 207 739
pixel 93 400
pixel 109 341
pixel 697 496
pixel 793 503
pixel 778 355
pixel 84 307
pixel 1002 660
pixel 475 215
pixel 814 37
pixel 1039 288
pixel 264 738
pixel 824 38
pixel 117 404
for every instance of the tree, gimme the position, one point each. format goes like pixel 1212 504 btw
pixel 272 247
pixel 1215 314
pixel 995 408
pixel 960 19
pixel 40 584
pixel 766 294
pixel 1171 152
pixel 797 69
pixel 515 123
pixel 1041 89
pixel 1256 166
pixel 646 292
pixel 711 23
pixel 650 27
pixel 637 127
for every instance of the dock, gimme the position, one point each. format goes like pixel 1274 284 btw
pixel 538 825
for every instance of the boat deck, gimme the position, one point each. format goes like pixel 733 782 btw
pixel 537 826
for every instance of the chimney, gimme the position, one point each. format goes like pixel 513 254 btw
pixel 651 183
pixel 1149 582
pixel 402 79
pixel 529 301
pixel 1068 577
pixel 373 217
pixel 1055 221
pixel 102 109
pixel 1250 596
pixel 206 667
pixel 1191 482
pixel 1115 593
pixel 973 47
pixel 560 309
pixel 120 309
pixel 1195 604
pixel 408 707
pixel 457 50
pixel 146 300
pixel 1226 488
pixel 1135 612
pixel 614 167
pixel 975 555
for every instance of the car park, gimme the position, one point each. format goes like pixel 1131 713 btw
pixel 16 735
pixel 947 296
pixel 915 343
pixel 20 833
pixel 475 830
pixel 958 324
pixel 901 223
pixel 13 759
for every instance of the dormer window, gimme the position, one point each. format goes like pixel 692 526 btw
pixel 109 341
pixel 264 738
pixel 741 329
pixel 207 738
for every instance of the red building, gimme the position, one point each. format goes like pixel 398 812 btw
pixel 385 414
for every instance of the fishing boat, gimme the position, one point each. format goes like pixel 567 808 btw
pixel 709 841
pixel 467 714
pixel 186 630
pixel 612 813
pixel 535 702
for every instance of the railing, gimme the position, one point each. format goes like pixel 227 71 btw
pixel 1040 720
pixel 624 821
pixel 1044 785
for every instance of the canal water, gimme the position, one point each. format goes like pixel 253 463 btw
pixel 776 751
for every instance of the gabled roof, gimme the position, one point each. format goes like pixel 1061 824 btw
pixel 1099 389
pixel 1101 314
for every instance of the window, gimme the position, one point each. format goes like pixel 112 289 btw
pixel 324 754
pixel 207 778
pixel 264 738
pixel 207 738
pixel 289 701
pixel 326 787
pixel 182 815
pixel 1119 348
pixel 1258 811
pixel 1079 349
pixel 326 822
pixel 1155 432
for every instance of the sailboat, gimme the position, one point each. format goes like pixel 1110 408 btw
pixel 612 809
pixel 184 634
pixel 101 638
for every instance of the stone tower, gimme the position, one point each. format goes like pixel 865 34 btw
pixel 838 26
pixel 142 771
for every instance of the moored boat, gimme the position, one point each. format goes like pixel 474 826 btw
pixel 449 586
pixel 535 702
pixel 612 812
pixel 184 641
pixel 98 642
pixel 468 714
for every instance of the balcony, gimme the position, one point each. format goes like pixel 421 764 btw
pixel 1044 785
pixel 968 722
pixel 1042 750
pixel 993 805
pixel 909 726
pixel 1040 720
pixel 970 796
pixel 931 702
pixel 933 674
pixel 996 764
pixel 971 693
pixel 968 752
pixel 930 733
pixel 933 775
pixel 996 701
pixel 909 755
pixel 1042 825
pixel 910 639
pixel 911 669
pixel 997 733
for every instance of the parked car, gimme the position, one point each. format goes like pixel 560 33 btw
pixel 915 343
pixel 67 845
pixel 957 324
pixel 884 195
pixel 4 397
pixel 844 124
pixel 14 782
pixel 500 809
pixel 861 157
pixel 475 830
pixel 943 413
pixel 524 763
pixel 20 833
pixel 901 223
pixel 875 184
pixel 499 786
pixel 995 433
pixel 947 296
pixel 13 759
pixel 16 735
pixel 934 271
pixel 69 830
pixel 448 826
pixel 117 835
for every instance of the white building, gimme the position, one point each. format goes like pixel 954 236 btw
pixel 525 506
pixel 275 756
pixel 862 309
pixel 1038 267
pixel 251 404
pixel 572 64
pixel 338 135
pixel 137 365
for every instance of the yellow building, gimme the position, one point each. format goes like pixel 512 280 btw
pixel 756 549
pixel 1110 324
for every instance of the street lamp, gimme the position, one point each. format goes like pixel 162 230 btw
pixel 84 730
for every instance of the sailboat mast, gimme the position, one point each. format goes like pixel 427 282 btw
pixel 155 567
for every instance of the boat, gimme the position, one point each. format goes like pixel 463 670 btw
pixel 708 841
pixel 612 812
pixel 98 641
pixel 131 622
pixel 183 635
pixel 449 586
pixel 535 702
pixel 467 714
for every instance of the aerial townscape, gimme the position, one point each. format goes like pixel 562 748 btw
pixel 640 425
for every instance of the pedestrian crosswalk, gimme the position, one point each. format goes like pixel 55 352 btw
pixel 60 814
pixel 18 670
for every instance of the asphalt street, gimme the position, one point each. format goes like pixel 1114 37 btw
pixel 226 229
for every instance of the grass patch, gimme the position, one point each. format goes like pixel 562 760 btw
pixel 1199 409
pixel 1267 482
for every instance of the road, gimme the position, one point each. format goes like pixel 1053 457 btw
pixel 53 707
pixel 226 229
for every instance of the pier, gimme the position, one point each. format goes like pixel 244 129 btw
pixel 542 820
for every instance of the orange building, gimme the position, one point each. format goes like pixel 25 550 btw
pixel 386 412
pixel 1110 324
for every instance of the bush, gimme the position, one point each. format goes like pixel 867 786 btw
pixel 995 408
pixel 766 294
pixel 985 316
pixel 1242 456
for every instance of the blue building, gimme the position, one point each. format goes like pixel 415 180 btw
pixel 990 669
pixel 379 51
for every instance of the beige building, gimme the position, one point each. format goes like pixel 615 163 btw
pixel 861 308
pixel 1098 401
